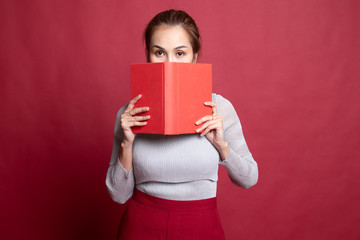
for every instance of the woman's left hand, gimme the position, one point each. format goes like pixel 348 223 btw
pixel 213 130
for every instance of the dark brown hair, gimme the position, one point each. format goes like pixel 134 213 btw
pixel 173 18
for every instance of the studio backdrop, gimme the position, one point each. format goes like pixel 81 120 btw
pixel 290 68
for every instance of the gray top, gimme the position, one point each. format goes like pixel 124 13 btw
pixel 181 167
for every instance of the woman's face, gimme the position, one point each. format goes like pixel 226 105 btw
pixel 171 44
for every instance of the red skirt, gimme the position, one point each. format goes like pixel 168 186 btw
pixel 150 218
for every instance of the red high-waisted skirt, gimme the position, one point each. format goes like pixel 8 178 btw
pixel 150 218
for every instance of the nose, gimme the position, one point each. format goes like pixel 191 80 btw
pixel 170 58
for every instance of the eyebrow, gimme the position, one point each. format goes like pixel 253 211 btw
pixel 179 47
pixel 156 46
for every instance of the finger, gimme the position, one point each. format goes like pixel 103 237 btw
pixel 139 118
pixel 206 125
pixel 204 119
pixel 130 121
pixel 214 126
pixel 205 132
pixel 132 102
pixel 207 118
pixel 214 119
pixel 132 124
pixel 138 110
pixel 213 105
pixel 138 124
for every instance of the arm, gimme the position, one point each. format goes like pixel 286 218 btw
pixel 223 130
pixel 239 163
pixel 120 180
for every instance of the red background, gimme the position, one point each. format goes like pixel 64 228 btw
pixel 290 68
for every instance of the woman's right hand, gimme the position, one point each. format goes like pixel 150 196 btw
pixel 129 119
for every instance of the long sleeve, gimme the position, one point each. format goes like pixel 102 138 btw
pixel 119 183
pixel 239 163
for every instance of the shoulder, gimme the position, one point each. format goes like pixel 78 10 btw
pixel 121 111
pixel 227 111
pixel 224 106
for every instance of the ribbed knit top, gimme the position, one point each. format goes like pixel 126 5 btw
pixel 181 167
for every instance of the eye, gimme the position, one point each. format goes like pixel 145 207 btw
pixel 180 54
pixel 159 53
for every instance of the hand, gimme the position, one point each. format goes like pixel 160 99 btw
pixel 128 119
pixel 213 130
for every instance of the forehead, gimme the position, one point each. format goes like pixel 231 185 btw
pixel 170 36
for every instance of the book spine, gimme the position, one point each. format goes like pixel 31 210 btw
pixel 171 98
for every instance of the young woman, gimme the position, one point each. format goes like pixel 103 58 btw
pixel 170 181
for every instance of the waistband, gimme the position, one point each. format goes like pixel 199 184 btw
pixel 174 205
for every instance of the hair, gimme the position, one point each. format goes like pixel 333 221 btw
pixel 173 18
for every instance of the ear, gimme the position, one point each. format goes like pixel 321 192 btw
pixel 195 58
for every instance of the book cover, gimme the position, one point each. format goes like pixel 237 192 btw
pixel 175 94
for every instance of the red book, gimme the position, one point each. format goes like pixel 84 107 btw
pixel 175 94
